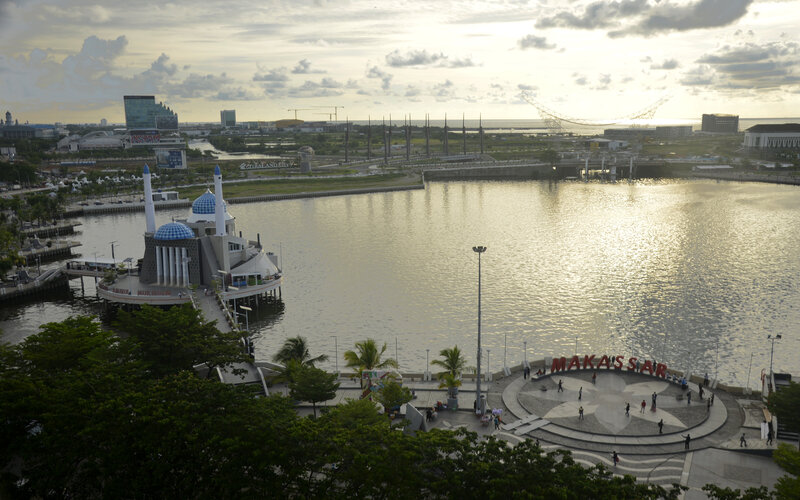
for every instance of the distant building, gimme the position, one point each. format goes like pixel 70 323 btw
pixel 13 130
pixel 673 131
pixel 604 144
pixel 99 139
pixel 721 124
pixel 628 133
pixel 778 136
pixel 142 112
pixel 227 117
pixel 103 122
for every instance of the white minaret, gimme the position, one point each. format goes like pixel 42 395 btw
pixel 219 208
pixel 149 206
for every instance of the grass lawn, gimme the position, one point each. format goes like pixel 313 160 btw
pixel 290 186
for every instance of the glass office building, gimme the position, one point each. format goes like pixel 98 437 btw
pixel 142 112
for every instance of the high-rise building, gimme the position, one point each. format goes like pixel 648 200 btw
pixel 726 124
pixel 228 117
pixel 142 112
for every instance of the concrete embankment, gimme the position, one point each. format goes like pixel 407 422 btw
pixel 139 207
pixel 749 177
pixel 529 171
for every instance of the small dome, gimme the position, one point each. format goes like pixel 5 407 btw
pixel 174 231
pixel 205 203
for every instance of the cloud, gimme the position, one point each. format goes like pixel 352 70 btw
pixel 595 15
pixel 304 68
pixel 196 85
pixel 769 66
pixel 645 18
pixel 316 89
pixel 667 64
pixel 534 42
pixel 412 91
pixel 271 75
pixel 237 94
pixel 423 58
pixel 376 72
pixel 701 14
pixel 444 91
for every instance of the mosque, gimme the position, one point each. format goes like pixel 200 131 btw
pixel 196 257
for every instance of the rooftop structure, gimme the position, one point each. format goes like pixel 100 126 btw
pixel 777 136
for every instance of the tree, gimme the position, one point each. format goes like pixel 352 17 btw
pixel 179 338
pixel 452 361
pixel 368 357
pixel 785 403
pixel 392 396
pixel 788 458
pixel 296 348
pixel 313 385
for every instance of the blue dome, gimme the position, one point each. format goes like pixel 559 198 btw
pixel 173 231
pixel 205 203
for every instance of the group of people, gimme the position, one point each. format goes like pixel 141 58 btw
pixel 526 372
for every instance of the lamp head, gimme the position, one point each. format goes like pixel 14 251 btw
pixel 479 249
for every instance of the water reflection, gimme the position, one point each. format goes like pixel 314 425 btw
pixel 666 269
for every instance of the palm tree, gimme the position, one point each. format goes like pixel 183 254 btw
pixel 452 361
pixel 368 357
pixel 296 349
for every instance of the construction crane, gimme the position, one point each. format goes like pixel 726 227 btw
pixel 335 110
pixel 329 115
pixel 298 109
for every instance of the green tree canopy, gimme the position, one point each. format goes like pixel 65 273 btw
pixel 296 348
pixel 179 338
pixel 452 361
pixel 368 357
pixel 313 385
pixel 393 395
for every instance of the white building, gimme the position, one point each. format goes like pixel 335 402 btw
pixel 779 136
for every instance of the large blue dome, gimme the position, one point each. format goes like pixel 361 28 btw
pixel 204 204
pixel 173 231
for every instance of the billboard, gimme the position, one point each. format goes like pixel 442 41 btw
pixel 170 158
pixel 144 137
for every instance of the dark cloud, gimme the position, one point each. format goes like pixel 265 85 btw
pixel 534 42
pixel 595 15
pixel 423 58
pixel 769 66
pixel 304 68
pixel 666 17
pixel 667 64
pixel 645 18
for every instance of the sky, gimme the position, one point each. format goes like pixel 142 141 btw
pixel 71 61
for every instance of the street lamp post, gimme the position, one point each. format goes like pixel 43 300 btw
pixel 505 350
pixel 336 352
pixel 478 401
pixel 488 364
pixel 113 259
pixel 427 364
pixel 772 351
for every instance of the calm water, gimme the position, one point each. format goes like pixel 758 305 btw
pixel 698 272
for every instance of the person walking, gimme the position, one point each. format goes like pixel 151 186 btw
pixel 661 426
pixel 644 405
pixel 615 458
pixel 705 380
pixel 687 440
pixel 654 397
pixel 496 422
pixel 689 398
pixel 712 399
pixel 769 437
pixel 580 413
pixel 627 409
pixel 700 393
pixel 742 441
pixel 580 393
pixel 594 377
pixel 560 387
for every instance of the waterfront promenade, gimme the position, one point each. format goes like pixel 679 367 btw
pixel 535 409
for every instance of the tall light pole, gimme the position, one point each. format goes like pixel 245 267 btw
pixel 336 352
pixel 112 251
pixel 772 351
pixel 427 364
pixel 505 349
pixel 478 401
pixel 488 364
pixel 525 360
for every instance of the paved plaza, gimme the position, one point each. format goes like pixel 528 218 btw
pixel 536 409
